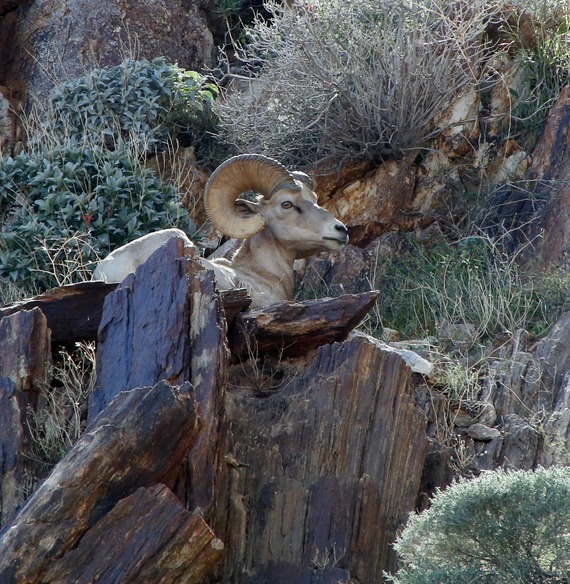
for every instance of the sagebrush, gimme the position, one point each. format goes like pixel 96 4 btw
pixel 511 527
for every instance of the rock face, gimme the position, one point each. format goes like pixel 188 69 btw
pixel 542 215
pixel 324 470
pixel 24 362
pixel 302 470
pixel 57 41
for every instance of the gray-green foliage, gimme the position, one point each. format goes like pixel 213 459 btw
pixel 336 79
pixel 141 103
pixel 503 527
pixel 82 189
pixel 62 210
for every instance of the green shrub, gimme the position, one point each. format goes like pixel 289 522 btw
pixel 503 527
pixel 337 79
pixel 136 104
pixel 61 211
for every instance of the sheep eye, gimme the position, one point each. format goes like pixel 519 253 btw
pixel 286 204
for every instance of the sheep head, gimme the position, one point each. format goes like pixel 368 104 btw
pixel 287 205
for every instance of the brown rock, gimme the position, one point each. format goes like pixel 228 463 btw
pixel 482 433
pixel 138 442
pixel 132 350
pixel 25 356
pixel 543 216
pixel 377 203
pixel 179 548
pixel 459 126
pixel 327 465
pixel 296 328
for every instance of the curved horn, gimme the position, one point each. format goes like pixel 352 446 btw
pixel 304 178
pixel 246 172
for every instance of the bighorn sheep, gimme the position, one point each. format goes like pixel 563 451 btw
pixel 283 224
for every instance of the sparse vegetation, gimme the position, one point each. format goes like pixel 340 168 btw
pixel 508 527
pixel 362 79
pixel 471 282
pixel 62 409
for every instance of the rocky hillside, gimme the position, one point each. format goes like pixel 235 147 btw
pixel 283 445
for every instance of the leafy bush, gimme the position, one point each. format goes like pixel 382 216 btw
pixel 81 190
pixel 335 79
pixel 508 527
pixel 63 210
pixel 139 104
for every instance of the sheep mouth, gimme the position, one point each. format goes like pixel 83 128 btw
pixel 343 241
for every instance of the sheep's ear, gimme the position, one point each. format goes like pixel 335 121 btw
pixel 247 208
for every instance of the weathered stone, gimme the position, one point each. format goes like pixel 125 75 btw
pixel 482 433
pixel 132 351
pixel 139 441
pixel 459 124
pixel 292 329
pixel 208 366
pixel 520 444
pixel 327 182
pixel 437 183
pixel 63 39
pixel 543 216
pixel 329 463
pixel 179 548
pixel 416 363
pixel 25 356
pixel 513 381
pixel 377 203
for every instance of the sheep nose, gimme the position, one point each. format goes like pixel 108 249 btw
pixel 342 228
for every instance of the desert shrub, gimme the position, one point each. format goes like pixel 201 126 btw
pixel 508 527
pixel 334 79
pixel 61 415
pixel 62 210
pixel 136 104
pixel 473 281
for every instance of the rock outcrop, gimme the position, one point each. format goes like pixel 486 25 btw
pixel 304 468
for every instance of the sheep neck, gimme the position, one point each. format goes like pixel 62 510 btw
pixel 266 258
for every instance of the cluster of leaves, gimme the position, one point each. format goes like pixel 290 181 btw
pixel 334 79
pixel 82 189
pixel 63 210
pixel 139 103
pixel 472 281
pixel 509 527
